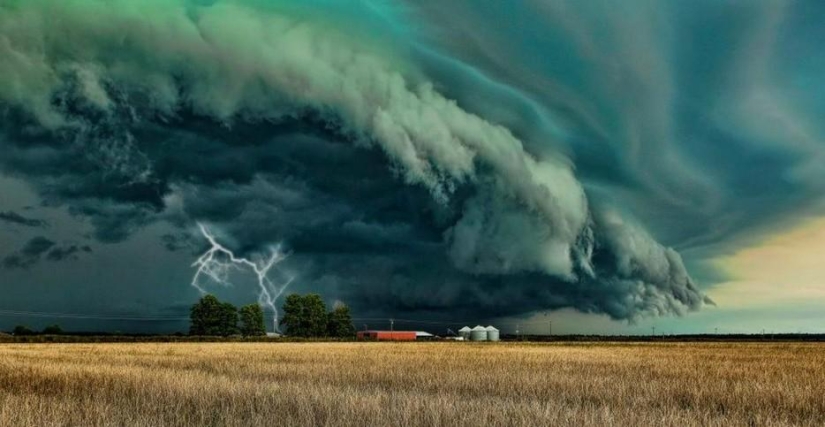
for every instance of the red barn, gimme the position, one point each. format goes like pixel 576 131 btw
pixel 387 335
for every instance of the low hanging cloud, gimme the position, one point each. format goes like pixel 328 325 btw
pixel 12 217
pixel 67 252
pixel 40 248
pixel 29 254
pixel 272 123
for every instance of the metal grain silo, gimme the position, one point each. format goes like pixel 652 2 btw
pixel 479 333
pixel 492 333
pixel 464 332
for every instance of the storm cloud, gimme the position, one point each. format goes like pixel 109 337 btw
pixel 40 248
pixel 17 219
pixel 67 252
pixel 407 168
pixel 29 254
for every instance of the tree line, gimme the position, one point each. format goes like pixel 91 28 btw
pixel 21 330
pixel 303 316
pixel 210 316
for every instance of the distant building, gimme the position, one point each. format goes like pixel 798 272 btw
pixel 492 333
pixel 388 335
pixel 479 333
pixel 425 336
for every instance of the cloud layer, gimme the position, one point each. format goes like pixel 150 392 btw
pixel 39 248
pixel 12 217
pixel 278 123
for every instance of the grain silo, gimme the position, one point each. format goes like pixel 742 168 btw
pixel 464 332
pixel 479 333
pixel 492 333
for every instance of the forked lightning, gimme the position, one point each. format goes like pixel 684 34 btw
pixel 218 261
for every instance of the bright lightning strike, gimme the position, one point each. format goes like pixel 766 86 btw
pixel 218 261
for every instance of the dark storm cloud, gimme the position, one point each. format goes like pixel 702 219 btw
pixel 177 242
pixel 700 118
pixel 39 248
pixel 583 145
pixel 67 252
pixel 29 254
pixel 15 218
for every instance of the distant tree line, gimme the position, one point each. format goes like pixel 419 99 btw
pixel 303 316
pixel 21 330
pixel 306 316
pixel 210 316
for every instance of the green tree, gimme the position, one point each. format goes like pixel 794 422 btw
pixel 229 320
pixel 339 322
pixel 21 330
pixel 210 316
pixel 305 316
pixel 52 330
pixel 293 315
pixel 252 320
pixel 316 315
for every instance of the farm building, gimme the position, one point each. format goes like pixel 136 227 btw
pixel 479 333
pixel 388 335
pixel 492 333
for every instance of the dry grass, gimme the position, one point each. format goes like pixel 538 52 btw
pixel 411 384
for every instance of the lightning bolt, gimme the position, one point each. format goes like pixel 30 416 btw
pixel 216 264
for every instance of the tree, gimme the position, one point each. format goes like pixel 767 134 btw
pixel 339 322
pixel 252 320
pixel 52 330
pixel 229 320
pixel 21 330
pixel 305 316
pixel 293 315
pixel 316 315
pixel 204 316
pixel 210 316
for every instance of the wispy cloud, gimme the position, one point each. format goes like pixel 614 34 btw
pixel 15 218
pixel 39 248
pixel 29 254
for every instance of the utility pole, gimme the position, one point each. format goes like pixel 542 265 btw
pixel 653 331
pixel 715 331
pixel 392 328
pixel 517 330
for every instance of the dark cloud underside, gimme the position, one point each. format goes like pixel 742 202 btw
pixel 17 219
pixel 425 168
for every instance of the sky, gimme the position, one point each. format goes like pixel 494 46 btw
pixel 608 168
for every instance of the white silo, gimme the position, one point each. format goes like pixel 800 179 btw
pixel 492 333
pixel 464 332
pixel 479 333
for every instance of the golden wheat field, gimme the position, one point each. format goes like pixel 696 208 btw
pixel 408 384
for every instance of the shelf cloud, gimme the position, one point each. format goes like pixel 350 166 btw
pixel 365 152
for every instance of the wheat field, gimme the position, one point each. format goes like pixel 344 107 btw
pixel 410 384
